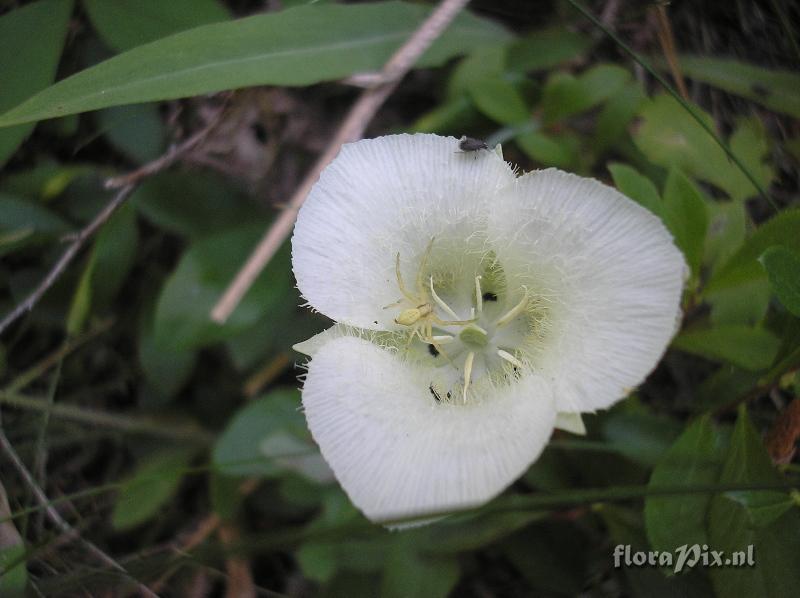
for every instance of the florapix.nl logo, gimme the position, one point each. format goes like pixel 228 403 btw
pixel 683 557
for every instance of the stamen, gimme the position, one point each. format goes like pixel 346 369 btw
pixel 478 295
pixel 441 303
pixel 510 358
pixel 444 338
pixel 514 312
pixel 468 372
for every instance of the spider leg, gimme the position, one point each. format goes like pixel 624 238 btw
pixel 421 272
pixel 400 284
pixel 441 322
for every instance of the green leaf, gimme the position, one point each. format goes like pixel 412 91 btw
pixel 638 434
pixel 776 89
pixel 636 186
pixel 616 115
pixel 499 100
pixel 745 304
pixel 669 136
pixel 686 216
pixel 136 131
pixel 410 574
pixel 193 204
pixel 783 269
pixel 301 46
pixel 737 520
pixel 153 483
pixel 24 223
pixel 565 95
pixel 31 39
pixel 549 150
pixel 727 230
pixel 484 62
pixel 114 253
pixel 268 436
pixel 752 349
pixel 166 370
pixel 81 303
pixel 13 561
pixel 124 24
pixel 544 49
pixel 743 265
pixel 182 315
pixel 694 460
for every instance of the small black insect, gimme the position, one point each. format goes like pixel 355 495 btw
pixel 489 296
pixel 436 394
pixel 470 144
pixel 433 350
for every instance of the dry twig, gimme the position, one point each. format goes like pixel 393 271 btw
pixel 126 185
pixel 351 129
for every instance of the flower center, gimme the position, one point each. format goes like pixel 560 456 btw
pixel 470 328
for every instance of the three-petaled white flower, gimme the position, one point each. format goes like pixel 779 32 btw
pixel 476 311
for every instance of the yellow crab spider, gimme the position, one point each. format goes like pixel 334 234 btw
pixel 422 317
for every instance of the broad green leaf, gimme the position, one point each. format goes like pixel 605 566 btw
pixel 485 62
pixel 738 520
pixel 451 116
pixel 549 150
pixel 749 142
pixel 750 348
pixel 545 49
pixel 694 460
pixel 267 436
pixel 743 265
pixel 779 90
pixel 182 315
pixel 615 116
pixel 499 100
pixel 124 24
pixel 114 253
pixel 166 370
pixel 410 574
pixel 727 229
pixel 31 39
pixel 152 485
pixel 193 204
pixel 565 94
pixel 686 216
pixel 636 186
pixel 24 222
pixel 136 131
pixel 638 434
pixel 783 269
pixel 669 136
pixel 301 46
pixel 745 304
pixel 628 537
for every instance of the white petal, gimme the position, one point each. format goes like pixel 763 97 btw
pixel 610 274
pixel 570 422
pixel 397 452
pixel 381 197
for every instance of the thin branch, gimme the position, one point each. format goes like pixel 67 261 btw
pixel 126 184
pixel 67 256
pixel 351 129
pixel 173 155
pixel 56 518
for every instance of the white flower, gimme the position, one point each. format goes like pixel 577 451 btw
pixel 476 311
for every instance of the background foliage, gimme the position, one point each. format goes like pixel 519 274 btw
pixel 175 444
